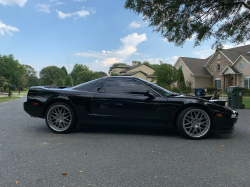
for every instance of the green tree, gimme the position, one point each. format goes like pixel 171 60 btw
pixel 178 21
pixel 12 70
pixel 68 81
pixel 114 74
pixel 29 71
pixel 103 74
pixel 59 82
pixel 76 70
pixel 50 74
pixel 65 70
pixel 166 74
pixel 181 80
pixel 86 76
pixel 32 81
pixel 2 81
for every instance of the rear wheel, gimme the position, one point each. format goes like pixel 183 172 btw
pixel 194 123
pixel 60 118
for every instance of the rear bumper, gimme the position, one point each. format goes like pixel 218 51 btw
pixel 36 111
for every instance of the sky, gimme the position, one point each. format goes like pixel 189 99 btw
pixel 95 33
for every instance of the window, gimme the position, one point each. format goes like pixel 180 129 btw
pixel 124 86
pixel 86 86
pixel 242 64
pixel 217 83
pixel 218 57
pixel 159 89
pixel 247 82
pixel 180 66
pixel 218 66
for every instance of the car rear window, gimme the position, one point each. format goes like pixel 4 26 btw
pixel 87 85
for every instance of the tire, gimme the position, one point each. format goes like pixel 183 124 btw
pixel 60 118
pixel 194 123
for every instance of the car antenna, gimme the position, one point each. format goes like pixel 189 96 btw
pixel 68 62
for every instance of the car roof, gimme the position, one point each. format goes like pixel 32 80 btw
pixel 128 77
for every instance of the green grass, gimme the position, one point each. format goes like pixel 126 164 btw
pixel 21 92
pixel 246 101
pixel 3 99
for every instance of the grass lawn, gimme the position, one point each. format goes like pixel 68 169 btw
pixel 246 101
pixel 3 99
pixel 21 92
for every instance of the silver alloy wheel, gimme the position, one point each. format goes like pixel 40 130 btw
pixel 196 123
pixel 59 118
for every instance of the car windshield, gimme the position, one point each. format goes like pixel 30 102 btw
pixel 157 88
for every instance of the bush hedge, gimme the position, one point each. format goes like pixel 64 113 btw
pixel 210 89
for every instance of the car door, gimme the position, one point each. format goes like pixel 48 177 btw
pixel 122 101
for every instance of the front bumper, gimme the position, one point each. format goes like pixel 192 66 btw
pixel 225 124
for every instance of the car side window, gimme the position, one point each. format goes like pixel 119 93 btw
pixel 124 86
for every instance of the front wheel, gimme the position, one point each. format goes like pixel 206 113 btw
pixel 193 123
pixel 60 118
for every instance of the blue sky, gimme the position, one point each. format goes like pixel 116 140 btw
pixel 96 33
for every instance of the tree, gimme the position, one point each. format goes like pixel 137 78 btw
pixel 50 74
pixel 114 74
pixel 181 80
pixel 68 81
pixel 59 82
pixel 65 70
pixel 32 81
pixel 166 74
pixel 76 70
pixel 103 74
pixel 11 69
pixel 29 71
pixel 178 21
pixel 86 76
pixel 2 81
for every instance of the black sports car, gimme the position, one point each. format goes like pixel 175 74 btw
pixel 127 100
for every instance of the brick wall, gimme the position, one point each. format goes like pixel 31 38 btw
pixel 212 67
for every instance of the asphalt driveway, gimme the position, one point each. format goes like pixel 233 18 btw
pixel 31 155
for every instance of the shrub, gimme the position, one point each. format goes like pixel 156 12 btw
pixel 175 89
pixel 59 82
pixel 210 89
pixel 2 89
pixel 68 81
pixel 25 89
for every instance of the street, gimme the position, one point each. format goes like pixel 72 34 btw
pixel 32 155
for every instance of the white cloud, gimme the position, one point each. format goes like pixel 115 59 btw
pixel 79 0
pixel 56 2
pixel 204 53
pixel 128 47
pixel 134 25
pixel 228 46
pixel 21 3
pixel 7 29
pixel 43 7
pixel 76 15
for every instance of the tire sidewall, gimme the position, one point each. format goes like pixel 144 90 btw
pixel 73 121
pixel 180 128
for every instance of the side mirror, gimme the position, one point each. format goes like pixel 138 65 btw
pixel 149 95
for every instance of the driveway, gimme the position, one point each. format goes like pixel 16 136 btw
pixel 31 155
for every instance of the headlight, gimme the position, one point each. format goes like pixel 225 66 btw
pixel 233 116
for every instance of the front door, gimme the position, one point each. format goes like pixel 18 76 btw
pixel 122 101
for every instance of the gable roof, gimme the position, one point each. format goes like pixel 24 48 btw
pixel 134 72
pixel 233 54
pixel 196 65
pixel 133 67
pixel 233 69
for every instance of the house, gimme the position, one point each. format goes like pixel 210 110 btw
pixel 137 70
pixel 227 67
